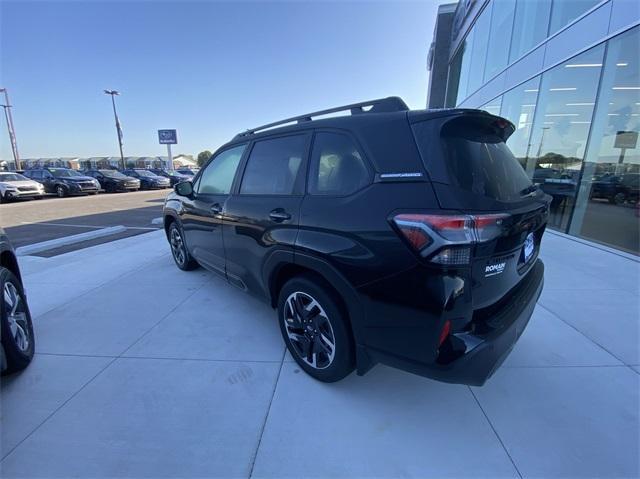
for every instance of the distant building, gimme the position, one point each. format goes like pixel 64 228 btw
pixel 78 163
pixel 567 74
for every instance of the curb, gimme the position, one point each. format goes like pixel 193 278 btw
pixel 67 240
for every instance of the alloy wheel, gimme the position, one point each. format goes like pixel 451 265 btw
pixel 60 191
pixel 177 246
pixel 309 330
pixel 15 308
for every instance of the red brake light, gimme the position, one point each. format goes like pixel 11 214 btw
pixel 446 329
pixel 427 233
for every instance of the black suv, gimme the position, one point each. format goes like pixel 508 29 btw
pixel 112 181
pixel 403 237
pixel 64 181
pixel 17 342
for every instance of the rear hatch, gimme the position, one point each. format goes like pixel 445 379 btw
pixel 475 176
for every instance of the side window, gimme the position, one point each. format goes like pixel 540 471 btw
pixel 273 166
pixel 217 178
pixel 336 166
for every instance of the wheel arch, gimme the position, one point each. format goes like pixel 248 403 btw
pixel 345 293
pixel 8 260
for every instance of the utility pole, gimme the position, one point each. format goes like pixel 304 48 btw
pixel 113 93
pixel 12 132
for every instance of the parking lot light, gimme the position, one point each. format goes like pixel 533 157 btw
pixel 113 93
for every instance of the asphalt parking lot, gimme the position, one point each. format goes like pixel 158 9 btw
pixel 28 222
pixel 144 370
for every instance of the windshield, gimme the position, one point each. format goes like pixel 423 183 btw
pixel 63 173
pixel 145 173
pixel 112 174
pixel 12 177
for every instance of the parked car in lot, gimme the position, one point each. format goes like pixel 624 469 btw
pixel 174 176
pixel 17 341
pixel 147 179
pixel 112 181
pixel 64 181
pixel 611 188
pixel 15 186
pixel 188 171
pixel 409 238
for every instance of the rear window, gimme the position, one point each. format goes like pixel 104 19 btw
pixel 478 160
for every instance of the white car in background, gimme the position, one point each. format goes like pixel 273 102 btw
pixel 14 185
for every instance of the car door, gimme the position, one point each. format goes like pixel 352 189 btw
pixel 48 181
pixel 261 217
pixel 202 213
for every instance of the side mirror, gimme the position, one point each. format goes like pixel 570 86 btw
pixel 184 188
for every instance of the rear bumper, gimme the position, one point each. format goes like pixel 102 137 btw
pixel 484 354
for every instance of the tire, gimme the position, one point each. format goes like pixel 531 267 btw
pixel 312 295
pixel 18 339
pixel 179 251
pixel 2 198
pixel 619 198
pixel 61 191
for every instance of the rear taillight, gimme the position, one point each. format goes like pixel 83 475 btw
pixel 449 236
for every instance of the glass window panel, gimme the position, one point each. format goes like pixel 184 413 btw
pixel 519 106
pixel 560 130
pixel 465 64
pixel 479 52
pixel 529 27
pixel 453 79
pixel 493 106
pixel 565 11
pixel 217 178
pixel 500 35
pixel 272 167
pixel 606 210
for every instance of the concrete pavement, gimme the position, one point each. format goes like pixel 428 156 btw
pixel 143 370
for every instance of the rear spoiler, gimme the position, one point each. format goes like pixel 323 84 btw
pixel 501 126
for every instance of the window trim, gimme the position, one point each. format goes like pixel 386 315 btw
pixel 218 152
pixel 299 185
pixel 365 161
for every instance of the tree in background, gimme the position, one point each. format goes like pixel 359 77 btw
pixel 203 157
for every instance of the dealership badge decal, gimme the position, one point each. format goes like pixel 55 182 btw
pixel 494 269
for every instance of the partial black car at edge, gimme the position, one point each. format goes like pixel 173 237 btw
pixel 409 238
pixel 17 341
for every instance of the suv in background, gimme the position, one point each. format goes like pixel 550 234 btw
pixel 112 181
pixel 147 179
pixel 15 186
pixel 174 176
pixel 64 181
pixel 17 341
pixel 409 238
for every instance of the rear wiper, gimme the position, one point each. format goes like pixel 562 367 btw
pixel 528 190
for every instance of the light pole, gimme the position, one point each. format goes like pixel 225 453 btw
pixel 12 131
pixel 118 129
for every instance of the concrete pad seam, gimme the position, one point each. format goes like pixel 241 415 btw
pixel 162 358
pixel 266 416
pixel 581 332
pixel 560 366
pixel 495 432
pixel 64 403
pixel 165 316
pixel 95 287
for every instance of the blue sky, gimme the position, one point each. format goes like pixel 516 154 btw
pixel 208 69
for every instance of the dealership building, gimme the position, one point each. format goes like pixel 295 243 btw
pixel 567 74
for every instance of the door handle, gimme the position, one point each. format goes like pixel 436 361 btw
pixel 278 215
pixel 216 208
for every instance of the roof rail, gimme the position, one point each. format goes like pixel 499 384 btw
pixel 381 105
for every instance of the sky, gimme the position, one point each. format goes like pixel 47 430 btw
pixel 208 69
